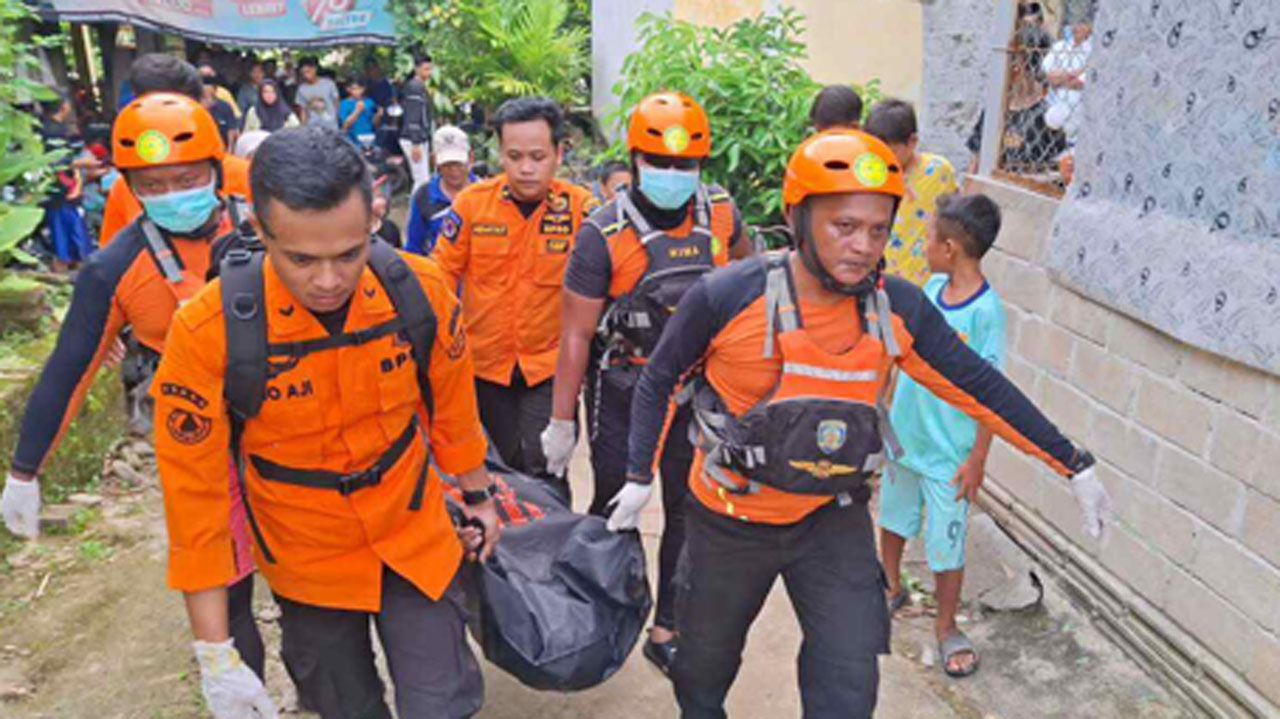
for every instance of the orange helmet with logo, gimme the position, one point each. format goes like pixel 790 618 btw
pixel 839 161
pixel 671 124
pixel 164 128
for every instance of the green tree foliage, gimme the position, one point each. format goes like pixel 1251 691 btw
pixel 490 50
pixel 749 78
pixel 24 164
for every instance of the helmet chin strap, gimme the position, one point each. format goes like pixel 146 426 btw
pixel 809 256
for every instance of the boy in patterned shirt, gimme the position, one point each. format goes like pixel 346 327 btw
pixel 944 453
pixel 928 177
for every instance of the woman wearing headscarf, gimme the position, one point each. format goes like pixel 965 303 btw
pixel 270 112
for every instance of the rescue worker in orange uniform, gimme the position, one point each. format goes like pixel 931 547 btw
pixel 160 72
pixel 168 148
pixel 632 262
pixel 506 242
pixel 335 372
pixel 794 350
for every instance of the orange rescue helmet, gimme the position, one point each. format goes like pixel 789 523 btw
pixel 164 128
pixel 840 161
pixel 671 124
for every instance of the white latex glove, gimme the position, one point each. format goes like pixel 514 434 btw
pixel 557 444
pixel 20 505
pixel 231 689
pixel 1093 499
pixel 627 504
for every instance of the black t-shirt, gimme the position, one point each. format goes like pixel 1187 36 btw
pixel 590 268
pixel 334 320
pixel 225 117
pixel 527 208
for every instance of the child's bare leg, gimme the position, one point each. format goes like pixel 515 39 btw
pixel 948 595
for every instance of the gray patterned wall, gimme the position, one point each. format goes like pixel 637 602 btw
pixel 1174 214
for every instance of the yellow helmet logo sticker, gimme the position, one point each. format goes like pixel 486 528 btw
pixel 153 147
pixel 871 170
pixel 676 139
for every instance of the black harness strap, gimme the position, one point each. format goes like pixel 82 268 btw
pixel 333 342
pixel 345 484
pixel 411 302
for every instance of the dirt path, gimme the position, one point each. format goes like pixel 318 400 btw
pixel 89 629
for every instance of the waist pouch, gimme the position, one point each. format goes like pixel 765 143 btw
pixel 810 446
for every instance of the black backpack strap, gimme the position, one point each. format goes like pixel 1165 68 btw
pixel 244 316
pixel 246 322
pixel 412 306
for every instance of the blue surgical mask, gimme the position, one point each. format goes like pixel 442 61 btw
pixel 668 189
pixel 184 211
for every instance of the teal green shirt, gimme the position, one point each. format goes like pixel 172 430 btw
pixel 936 437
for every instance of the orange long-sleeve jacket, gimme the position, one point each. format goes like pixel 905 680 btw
pixel 511 269
pixel 338 410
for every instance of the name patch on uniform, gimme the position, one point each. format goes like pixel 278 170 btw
pixel 188 427
pixel 684 253
pixel 169 389
pixel 489 230
pixel 557 245
pixel 290 391
pixel 557 223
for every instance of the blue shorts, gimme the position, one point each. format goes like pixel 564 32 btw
pixel 68 233
pixel 906 497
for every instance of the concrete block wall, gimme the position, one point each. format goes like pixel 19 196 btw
pixel 957 51
pixel 1188 445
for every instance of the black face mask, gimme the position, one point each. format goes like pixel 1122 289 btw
pixel 807 247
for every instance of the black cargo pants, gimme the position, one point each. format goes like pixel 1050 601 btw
pixel 833 577
pixel 329 654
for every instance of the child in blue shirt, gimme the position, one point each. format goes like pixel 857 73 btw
pixel 944 452
pixel 357 114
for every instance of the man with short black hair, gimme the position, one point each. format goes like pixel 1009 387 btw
pixel 317 97
pixel 507 242
pixel 416 122
pixel 222 113
pixel 836 107
pixel 338 448
pixel 928 177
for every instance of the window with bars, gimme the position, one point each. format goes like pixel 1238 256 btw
pixel 1040 79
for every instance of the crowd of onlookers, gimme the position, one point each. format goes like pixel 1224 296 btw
pixel 249 98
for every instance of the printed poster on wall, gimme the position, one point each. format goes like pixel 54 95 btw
pixel 1174 213
pixel 255 23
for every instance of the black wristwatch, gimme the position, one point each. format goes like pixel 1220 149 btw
pixel 478 496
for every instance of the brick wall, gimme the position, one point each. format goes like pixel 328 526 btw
pixel 1188 444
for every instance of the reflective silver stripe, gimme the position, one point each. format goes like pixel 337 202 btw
pixel 835 375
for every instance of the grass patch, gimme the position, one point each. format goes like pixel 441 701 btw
pixel 76 463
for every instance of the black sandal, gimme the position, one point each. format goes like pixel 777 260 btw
pixel 952 645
